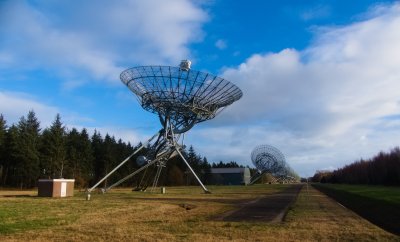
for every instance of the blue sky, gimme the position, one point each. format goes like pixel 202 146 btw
pixel 320 78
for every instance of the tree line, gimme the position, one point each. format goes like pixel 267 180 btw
pixel 28 153
pixel 382 169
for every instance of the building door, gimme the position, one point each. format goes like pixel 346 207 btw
pixel 63 189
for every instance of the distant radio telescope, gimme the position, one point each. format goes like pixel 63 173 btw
pixel 181 97
pixel 267 158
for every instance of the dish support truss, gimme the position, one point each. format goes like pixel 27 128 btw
pixel 163 146
pixel 268 159
pixel 185 96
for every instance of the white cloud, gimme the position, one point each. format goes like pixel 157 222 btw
pixel 316 12
pixel 336 101
pixel 97 40
pixel 323 106
pixel 221 44
pixel 15 105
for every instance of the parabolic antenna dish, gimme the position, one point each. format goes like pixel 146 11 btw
pixel 267 158
pixel 181 97
pixel 180 94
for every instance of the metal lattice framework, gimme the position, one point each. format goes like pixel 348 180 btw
pixel 268 159
pixel 181 97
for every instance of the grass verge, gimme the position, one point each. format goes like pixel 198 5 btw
pixel 378 204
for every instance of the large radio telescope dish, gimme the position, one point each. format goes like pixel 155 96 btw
pixel 181 97
pixel 180 94
pixel 267 158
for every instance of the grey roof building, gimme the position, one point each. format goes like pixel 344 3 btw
pixel 230 176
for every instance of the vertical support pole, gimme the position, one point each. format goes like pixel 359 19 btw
pixel 155 182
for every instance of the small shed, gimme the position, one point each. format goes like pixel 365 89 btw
pixel 56 187
pixel 230 176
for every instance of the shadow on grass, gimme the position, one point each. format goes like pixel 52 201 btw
pixel 271 208
pixel 379 212
pixel 32 196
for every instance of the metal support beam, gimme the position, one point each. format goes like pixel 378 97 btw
pixel 160 156
pixel 132 174
pixel 256 178
pixel 190 168
pixel 123 162
pixel 155 182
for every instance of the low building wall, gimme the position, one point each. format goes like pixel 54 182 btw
pixel 56 187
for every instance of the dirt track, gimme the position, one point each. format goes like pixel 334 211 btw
pixel 271 208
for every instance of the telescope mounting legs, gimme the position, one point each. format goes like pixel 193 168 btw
pixel 164 148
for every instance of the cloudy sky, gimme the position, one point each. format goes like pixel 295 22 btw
pixel 321 78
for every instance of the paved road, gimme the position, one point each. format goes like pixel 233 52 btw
pixel 271 208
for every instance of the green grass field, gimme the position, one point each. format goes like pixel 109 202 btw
pixel 379 204
pixel 384 193
pixel 122 215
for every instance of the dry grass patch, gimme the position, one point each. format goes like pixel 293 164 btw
pixel 123 215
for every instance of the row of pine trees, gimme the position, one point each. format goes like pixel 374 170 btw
pixel 382 169
pixel 28 153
